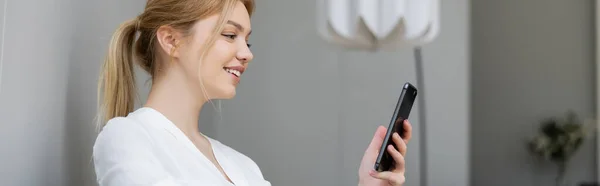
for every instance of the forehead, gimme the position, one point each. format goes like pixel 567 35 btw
pixel 240 15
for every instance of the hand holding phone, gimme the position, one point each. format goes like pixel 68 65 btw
pixel 385 162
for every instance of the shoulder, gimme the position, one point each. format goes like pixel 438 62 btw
pixel 124 154
pixel 122 129
pixel 121 135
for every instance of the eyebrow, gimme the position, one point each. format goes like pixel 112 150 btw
pixel 238 26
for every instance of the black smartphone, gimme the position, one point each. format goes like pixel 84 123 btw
pixel 385 162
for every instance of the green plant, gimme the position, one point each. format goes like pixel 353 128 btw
pixel 558 140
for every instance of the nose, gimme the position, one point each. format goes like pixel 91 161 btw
pixel 245 55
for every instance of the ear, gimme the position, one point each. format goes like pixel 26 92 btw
pixel 169 40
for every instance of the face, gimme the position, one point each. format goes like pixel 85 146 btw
pixel 221 69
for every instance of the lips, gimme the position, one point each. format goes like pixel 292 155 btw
pixel 234 72
pixel 237 71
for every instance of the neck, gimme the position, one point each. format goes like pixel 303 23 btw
pixel 172 96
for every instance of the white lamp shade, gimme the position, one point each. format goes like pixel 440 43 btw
pixel 378 23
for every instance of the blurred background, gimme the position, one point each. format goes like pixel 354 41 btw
pixel 306 110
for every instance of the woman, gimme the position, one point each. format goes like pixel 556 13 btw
pixel 195 51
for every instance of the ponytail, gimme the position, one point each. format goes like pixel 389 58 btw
pixel 116 86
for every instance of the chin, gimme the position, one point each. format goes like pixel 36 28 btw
pixel 224 93
pixel 229 95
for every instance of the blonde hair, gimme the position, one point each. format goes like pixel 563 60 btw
pixel 116 86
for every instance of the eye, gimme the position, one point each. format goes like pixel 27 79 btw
pixel 230 36
pixel 249 45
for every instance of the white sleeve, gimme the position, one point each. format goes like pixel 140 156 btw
pixel 123 155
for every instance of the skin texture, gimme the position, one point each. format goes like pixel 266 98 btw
pixel 178 91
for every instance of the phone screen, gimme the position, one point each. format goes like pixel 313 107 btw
pixel 385 161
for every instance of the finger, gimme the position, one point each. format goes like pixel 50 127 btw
pixel 380 133
pixel 407 131
pixel 399 144
pixel 398 158
pixel 396 179
pixel 377 140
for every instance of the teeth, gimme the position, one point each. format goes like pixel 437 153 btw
pixel 234 72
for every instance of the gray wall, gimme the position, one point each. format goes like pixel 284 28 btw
pixel 531 59
pixel 306 111
pixel 32 101
pixel 53 52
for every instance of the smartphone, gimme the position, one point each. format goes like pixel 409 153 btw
pixel 385 162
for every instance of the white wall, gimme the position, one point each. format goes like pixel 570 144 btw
pixel 306 110
pixel 531 59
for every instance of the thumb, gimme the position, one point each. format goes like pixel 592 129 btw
pixel 393 178
pixel 377 140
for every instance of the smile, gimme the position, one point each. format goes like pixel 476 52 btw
pixel 234 72
pixel 237 71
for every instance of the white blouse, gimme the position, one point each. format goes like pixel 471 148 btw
pixel 145 148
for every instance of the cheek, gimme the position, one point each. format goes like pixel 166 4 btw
pixel 190 58
pixel 222 53
pixel 225 51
